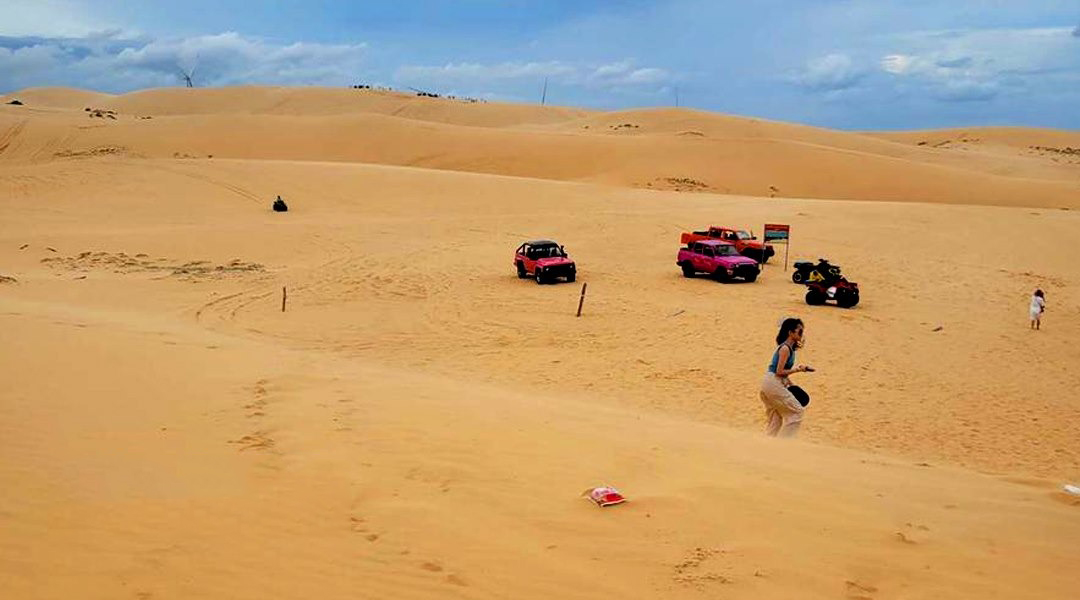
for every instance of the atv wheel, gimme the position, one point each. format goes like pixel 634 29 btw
pixel 798 277
pixel 522 273
pixel 814 297
pixel 847 301
pixel 687 271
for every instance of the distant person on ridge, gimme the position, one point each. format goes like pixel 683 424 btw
pixel 280 206
pixel 1038 307
pixel 783 412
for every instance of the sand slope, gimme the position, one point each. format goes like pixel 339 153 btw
pixel 660 149
pixel 419 423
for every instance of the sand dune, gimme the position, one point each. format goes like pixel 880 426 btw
pixel 261 100
pixel 657 149
pixel 419 423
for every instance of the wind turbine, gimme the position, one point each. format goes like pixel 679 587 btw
pixel 186 74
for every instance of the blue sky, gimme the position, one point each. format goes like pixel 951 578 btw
pixel 848 64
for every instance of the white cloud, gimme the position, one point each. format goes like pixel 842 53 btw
pixel 229 58
pixel 990 52
pixel 474 72
pixel 897 64
pixel 979 64
pixel 617 74
pixel 624 73
pixel 49 18
pixel 965 90
pixel 111 62
pixel 830 73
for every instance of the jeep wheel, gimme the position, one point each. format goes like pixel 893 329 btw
pixel 522 273
pixel 687 270
pixel 751 277
pixel 798 277
pixel 721 274
pixel 540 279
pixel 814 297
pixel 571 278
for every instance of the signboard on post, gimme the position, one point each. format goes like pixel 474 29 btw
pixel 779 234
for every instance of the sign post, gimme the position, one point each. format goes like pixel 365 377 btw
pixel 777 233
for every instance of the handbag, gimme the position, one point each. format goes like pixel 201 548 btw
pixel 800 394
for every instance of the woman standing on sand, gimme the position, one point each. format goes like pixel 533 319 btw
pixel 783 413
pixel 1038 307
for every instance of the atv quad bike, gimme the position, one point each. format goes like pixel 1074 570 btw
pixel 822 272
pixel 845 293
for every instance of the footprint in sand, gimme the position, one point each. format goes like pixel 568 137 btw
pixel 259 440
pixel 357 524
pixel 258 405
pixel 859 591
pixel 913 533
pixel 694 570
pixel 451 578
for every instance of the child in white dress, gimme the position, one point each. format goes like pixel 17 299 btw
pixel 1038 307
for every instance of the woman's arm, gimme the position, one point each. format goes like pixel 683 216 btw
pixel 781 360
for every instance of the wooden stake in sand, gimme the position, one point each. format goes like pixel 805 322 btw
pixel 582 300
pixel 283 296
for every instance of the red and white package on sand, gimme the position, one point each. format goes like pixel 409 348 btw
pixel 604 496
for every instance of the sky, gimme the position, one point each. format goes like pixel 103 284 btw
pixel 844 64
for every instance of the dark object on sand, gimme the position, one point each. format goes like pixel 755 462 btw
pixel 280 206
pixel 16 103
pixel 800 394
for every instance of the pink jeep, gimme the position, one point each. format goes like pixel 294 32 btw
pixel 545 261
pixel 717 258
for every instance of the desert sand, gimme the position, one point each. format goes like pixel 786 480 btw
pixel 420 423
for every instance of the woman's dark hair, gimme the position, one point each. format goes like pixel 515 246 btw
pixel 1039 293
pixel 787 327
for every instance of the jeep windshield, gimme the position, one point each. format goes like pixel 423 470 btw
pixel 743 235
pixel 546 252
pixel 726 250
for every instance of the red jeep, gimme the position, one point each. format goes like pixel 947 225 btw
pixel 717 258
pixel 545 261
pixel 745 243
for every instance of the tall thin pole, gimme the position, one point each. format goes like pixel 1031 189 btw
pixel 543 95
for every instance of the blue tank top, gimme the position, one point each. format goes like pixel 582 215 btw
pixel 776 359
